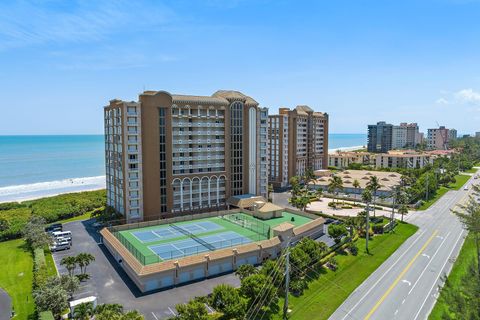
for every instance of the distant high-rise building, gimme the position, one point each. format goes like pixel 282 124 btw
pixel 169 153
pixel 399 137
pixel 438 138
pixel 298 140
pixel 477 135
pixel 412 134
pixel 380 137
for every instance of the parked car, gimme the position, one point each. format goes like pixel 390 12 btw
pixel 63 239
pixel 54 228
pixel 465 188
pixel 58 246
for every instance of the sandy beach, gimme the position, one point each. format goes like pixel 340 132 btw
pixel 346 149
pixel 51 188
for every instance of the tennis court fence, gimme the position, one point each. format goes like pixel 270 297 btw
pixel 146 259
pixel 248 222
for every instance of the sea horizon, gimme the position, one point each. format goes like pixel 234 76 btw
pixel 34 166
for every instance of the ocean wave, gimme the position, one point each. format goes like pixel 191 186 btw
pixel 49 188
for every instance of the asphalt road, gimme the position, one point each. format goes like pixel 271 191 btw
pixel 5 305
pixel 406 285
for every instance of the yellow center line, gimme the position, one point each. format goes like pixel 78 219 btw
pixel 400 276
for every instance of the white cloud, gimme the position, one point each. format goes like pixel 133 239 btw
pixel 468 96
pixel 30 22
pixel 442 101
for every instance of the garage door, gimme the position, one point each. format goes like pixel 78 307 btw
pixel 198 274
pixel 151 285
pixel 241 261
pixel 214 269
pixel 252 260
pixel 184 277
pixel 227 266
pixel 166 282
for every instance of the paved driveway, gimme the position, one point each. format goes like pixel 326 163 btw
pixel 5 305
pixel 111 285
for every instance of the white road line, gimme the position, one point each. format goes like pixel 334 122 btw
pixel 425 269
pixel 173 312
pixel 153 314
pixel 384 274
pixel 403 301
pixel 438 276
pixel 396 311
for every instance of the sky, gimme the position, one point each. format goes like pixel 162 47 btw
pixel 360 61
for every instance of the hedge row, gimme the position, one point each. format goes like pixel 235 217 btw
pixel 14 215
pixel 40 272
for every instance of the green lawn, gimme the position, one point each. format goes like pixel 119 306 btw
pixel 16 276
pixel 473 170
pixel 460 180
pixel 467 254
pixel 440 192
pixel 328 292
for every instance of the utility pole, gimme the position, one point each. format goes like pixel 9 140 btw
pixel 426 188
pixel 367 231
pixel 287 282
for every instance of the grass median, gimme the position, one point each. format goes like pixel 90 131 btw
pixel 325 294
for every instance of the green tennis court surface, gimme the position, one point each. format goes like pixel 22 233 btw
pixel 171 241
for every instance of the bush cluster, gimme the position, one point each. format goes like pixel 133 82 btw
pixel 14 216
pixel 40 272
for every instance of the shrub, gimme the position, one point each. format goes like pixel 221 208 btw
pixel 332 264
pixel 67 205
pixel 352 248
pixel 332 204
pixel 377 228
pixel 337 231
pixel 346 207
pixel 16 219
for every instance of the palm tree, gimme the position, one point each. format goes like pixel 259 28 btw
pixel 319 193
pixel 308 177
pixel 132 315
pixel 367 198
pixel 374 185
pixel 335 185
pixel 83 311
pixel 403 210
pixel 70 263
pixel 356 185
pixel 301 202
pixel 114 307
pixel 83 260
pixel 270 192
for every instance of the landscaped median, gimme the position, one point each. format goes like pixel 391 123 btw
pixel 331 288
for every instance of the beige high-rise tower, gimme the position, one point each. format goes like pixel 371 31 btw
pixel 298 140
pixel 169 153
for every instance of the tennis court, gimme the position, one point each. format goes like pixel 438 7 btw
pixel 188 247
pixel 171 241
pixel 169 232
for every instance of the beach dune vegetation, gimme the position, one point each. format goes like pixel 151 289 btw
pixel 14 216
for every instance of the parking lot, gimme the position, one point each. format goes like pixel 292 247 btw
pixel 110 284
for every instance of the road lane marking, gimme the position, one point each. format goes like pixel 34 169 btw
pixel 403 301
pixel 425 269
pixel 400 276
pixel 153 314
pixel 173 312
pixel 407 282
pixel 426 255
pixel 438 276
pixel 383 275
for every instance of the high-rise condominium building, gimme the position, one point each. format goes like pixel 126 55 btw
pixel 439 138
pixel 380 137
pixel 169 153
pixel 298 140
pixel 399 137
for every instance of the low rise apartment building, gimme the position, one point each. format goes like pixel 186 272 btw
pixel 391 159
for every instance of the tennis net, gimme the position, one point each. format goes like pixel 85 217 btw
pixel 194 237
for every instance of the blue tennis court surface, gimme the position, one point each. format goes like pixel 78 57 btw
pixel 188 247
pixel 168 232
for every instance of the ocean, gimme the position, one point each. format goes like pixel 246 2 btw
pixel 33 166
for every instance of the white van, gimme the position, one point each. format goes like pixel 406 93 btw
pixel 58 246
pixel 62 234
